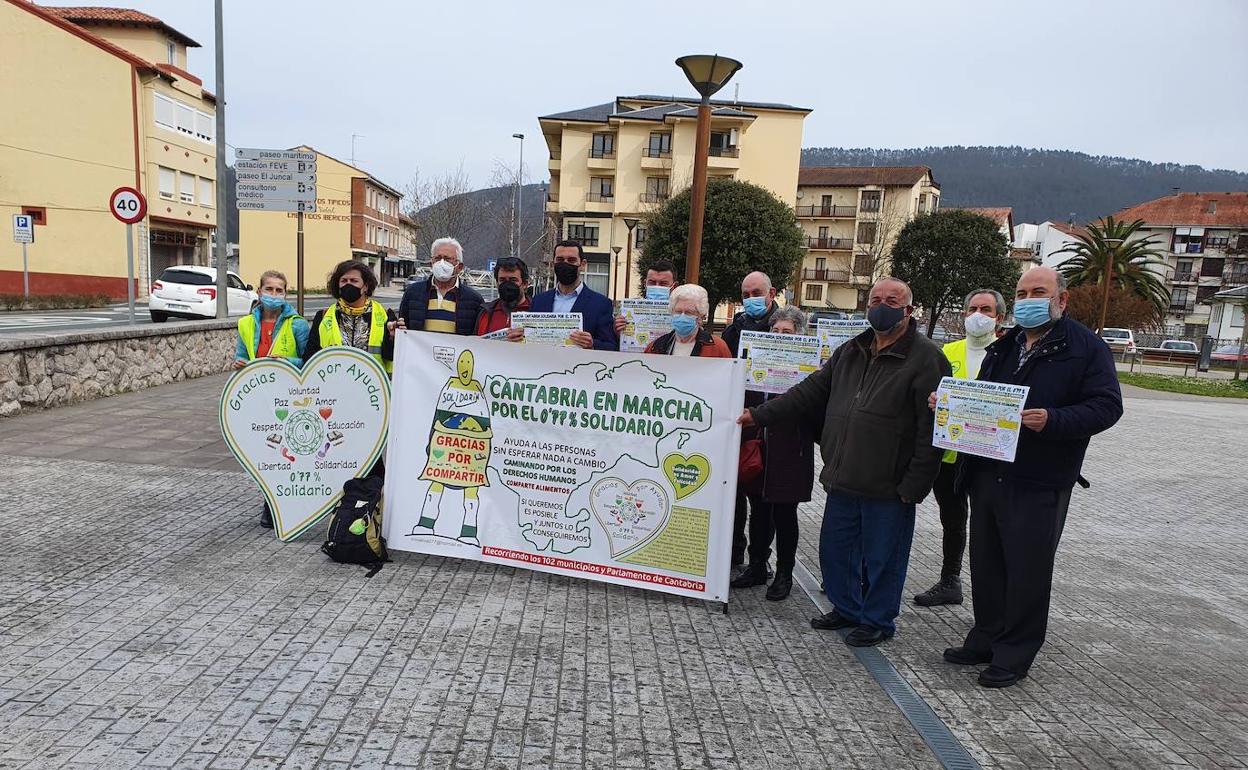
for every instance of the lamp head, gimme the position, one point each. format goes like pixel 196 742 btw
pixel 708 73
pixel 630 222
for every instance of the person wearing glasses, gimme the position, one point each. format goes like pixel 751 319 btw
pixel 878 459
pixel 689 337
pixel 512 276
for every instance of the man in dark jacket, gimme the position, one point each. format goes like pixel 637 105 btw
pixel 442 303
pixel 758 297
pixel 878 459
pixel 1018 509
pixel 571 295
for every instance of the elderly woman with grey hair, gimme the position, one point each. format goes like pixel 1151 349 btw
pixel 689 337
pixel 788 477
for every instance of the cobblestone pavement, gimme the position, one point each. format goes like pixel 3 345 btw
pixel 134 630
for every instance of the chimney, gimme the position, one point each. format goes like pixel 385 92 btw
pixel 1175 190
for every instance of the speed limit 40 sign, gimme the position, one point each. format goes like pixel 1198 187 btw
pixel 128 205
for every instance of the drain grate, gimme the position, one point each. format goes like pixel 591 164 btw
pixel 948 750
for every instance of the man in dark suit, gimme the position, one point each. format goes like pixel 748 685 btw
pixel 1018 509
pixel 571 295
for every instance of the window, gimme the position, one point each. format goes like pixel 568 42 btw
pixel 866 232
pixel 1189 240
pixel 823 232
pixel 1179 296
pixel 922 203
pixel 1203 293
pixel 935 202
pixel 234 282
pixel 603 146
pixel 601 188
pixel 1213 207
pixel 814 292
pixel 172 51
pixel 1211 268
pixel 871 200
pixel 639 236
pixel 163 110
pixel 1183 270
pixel 587 235
pixel 596 276
pixel 185 119
pixel 167 182
pixel 1218 240
pixel 821 263
pixel 186 187
pixel 206 197
pixel 656 189
pixel 205 126
pixel 862 266
pixel 660 145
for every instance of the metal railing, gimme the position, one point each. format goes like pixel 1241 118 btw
pixel 827 211
pixel 655 152
pixel 594 197
pixel 1236 276
pixel 653 197
pixel 845 244
pixel 1182 307
pixel 816 274
pixel 724 152
pixel 1185 277
pixel 595 152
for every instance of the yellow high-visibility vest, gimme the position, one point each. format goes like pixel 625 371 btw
pixel 331 333
pixel 284 344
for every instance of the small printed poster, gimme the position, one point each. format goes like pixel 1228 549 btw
pixel 979 418
pixel 776 362
pixel 833 333
pixel 648 319
pixel 547 328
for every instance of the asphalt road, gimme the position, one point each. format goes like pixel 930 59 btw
pixel 49 321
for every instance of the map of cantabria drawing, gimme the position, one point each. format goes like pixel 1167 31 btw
pixel 617 467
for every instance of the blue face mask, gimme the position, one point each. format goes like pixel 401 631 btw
pixel 272 303
pixel 755 307
pixel 1032 313
pixel 683 325
pixel 659 292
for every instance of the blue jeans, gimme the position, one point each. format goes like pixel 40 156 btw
pixel 864 550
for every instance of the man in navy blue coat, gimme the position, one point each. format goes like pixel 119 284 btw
pixel 571 295
pixel 1018 509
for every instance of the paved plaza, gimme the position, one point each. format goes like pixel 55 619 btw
pixel 146 620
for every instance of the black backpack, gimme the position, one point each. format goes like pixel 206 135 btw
pixel 361 500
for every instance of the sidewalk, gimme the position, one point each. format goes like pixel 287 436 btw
pixel 146 620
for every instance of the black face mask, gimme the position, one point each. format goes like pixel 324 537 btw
pixel 566 274
pixel 884 318
pixel 350 293
pixel 509 293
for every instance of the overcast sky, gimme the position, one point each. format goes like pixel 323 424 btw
pixel 430 84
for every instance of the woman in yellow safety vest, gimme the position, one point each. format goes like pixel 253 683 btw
pixel 273 329
pixel 356 319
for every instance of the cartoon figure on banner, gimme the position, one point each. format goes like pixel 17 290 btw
pixel 458 450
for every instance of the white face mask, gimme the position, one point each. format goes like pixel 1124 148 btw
pixel 979 325
pixel 443 271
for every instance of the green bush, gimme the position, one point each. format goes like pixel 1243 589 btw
pixel 54 301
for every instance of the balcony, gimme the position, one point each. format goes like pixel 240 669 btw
pixel 1186 277
pixel 600 158
pixel 598 197
pixel 552 202
pixel 1182 307
pixel 655 159
pixel 827 212
pixel 654 197
pixel 830 244
pixel 834 276
pixel 656 152
pixel 723 157
pixel 1237 276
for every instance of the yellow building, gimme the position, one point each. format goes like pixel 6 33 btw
pixel 96 99
pixel 850 217
pixel 357 217
pixel 615 161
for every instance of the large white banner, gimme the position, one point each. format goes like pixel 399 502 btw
pixel 608 466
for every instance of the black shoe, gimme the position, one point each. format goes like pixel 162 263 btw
pixel 996 677
pixel 754 575
pixel 866 636
pixel 964 656
pixel 832 621
pixel 780 587
pixel 947 591
pixel 266 517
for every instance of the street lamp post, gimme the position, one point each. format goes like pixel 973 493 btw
pixel 615 270
pixel 630 223
pixel 1113 244
pixel 707 74
pixel 519 196
pixel 221 245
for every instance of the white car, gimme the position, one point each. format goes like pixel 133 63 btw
pixel 1120 341
pixel 190 291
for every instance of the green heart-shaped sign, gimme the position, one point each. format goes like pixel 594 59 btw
pixel 438 453
pixel 687 473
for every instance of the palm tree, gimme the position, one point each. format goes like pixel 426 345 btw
pixel 1137 266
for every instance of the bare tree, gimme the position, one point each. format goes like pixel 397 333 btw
pixel 440 206
pixel 872 257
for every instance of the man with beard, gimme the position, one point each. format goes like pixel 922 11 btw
pixel 512 277
pixel 571 295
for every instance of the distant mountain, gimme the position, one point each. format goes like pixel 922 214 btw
pixel 481 220
pixel 1039 184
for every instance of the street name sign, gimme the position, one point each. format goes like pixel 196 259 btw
pixel 276 166
pixel 274 204
pixel 23 228
pixel 291 191
pixel 249 153
pixel 273 176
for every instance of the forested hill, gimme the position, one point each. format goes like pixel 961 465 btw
pixel 1039 184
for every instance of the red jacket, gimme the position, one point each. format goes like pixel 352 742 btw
pixel 494 316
